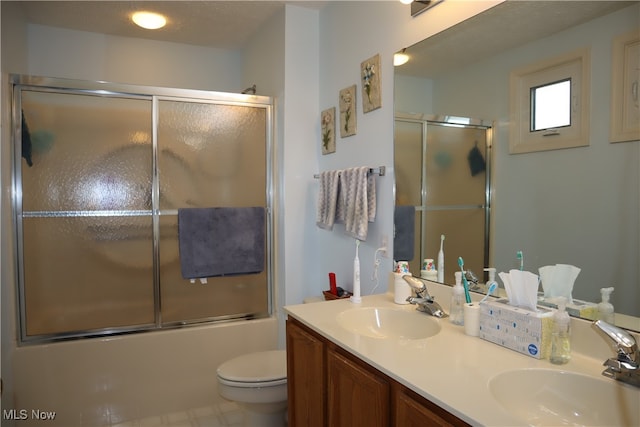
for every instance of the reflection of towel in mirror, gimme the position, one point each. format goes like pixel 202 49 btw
pixel 221 241
pixel 404 231
pixel 327 199
pixel 476 161
pixel 26 142
pixel 357 201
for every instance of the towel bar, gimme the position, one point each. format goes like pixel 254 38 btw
pixel 379 171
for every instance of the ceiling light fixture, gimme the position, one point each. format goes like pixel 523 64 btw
pixel 400 58
pixel 406 1
pixel 149 20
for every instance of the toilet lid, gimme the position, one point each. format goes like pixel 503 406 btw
pixel 255 367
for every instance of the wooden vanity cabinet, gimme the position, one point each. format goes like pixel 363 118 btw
pixel 306 386
pixel 358 395
pixel 328 386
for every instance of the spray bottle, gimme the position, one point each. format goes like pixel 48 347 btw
pixel 605 308
pixel 355 298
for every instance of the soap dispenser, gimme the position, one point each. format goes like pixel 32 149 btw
pixel 456 310
pixel 492 277
pixel 605 308
pixel 561 336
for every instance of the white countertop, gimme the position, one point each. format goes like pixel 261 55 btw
pixel 451 369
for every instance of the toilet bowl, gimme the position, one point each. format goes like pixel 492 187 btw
pixel 257 382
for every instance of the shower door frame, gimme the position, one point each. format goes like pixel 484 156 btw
pixel 455 121
pixel 154 95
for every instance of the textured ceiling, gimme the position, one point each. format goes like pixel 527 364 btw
pixel 230 24
pixel 508 25
pixel 220 24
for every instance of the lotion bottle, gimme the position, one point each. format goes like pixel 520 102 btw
pixel 605 308
pixel 561 336
pixel 456 310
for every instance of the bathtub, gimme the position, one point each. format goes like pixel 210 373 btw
pixel 103 381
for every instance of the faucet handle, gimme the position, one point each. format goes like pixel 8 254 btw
pixel 624 343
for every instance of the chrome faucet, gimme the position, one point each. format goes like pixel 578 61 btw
pixel 472 279
pixel 625 366
pixel 424 301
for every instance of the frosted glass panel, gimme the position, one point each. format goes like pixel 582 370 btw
pixel 464 231
pixel 220 296
pixel 90 261
pixel 408 153
pixel 87 273
pixel 87 153
pixel 211 155
pixel 449 173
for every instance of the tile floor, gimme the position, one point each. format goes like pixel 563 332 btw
pixel 223 415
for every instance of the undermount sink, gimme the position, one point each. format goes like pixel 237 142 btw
pixel 545 397
pixel 379 322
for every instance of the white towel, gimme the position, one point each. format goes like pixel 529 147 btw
pixel 357 201
pixel 328 194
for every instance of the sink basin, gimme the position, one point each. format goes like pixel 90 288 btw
pixel 388 323
pixel 545 397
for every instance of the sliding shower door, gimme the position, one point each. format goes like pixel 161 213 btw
pixel 98 178
pixel 86 182
pixel 208 155
pixel 443 170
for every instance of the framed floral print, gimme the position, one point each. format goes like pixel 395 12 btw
pixel 347 103
pixel 370 75
pixel 328 130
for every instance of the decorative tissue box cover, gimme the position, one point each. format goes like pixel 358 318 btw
pixel 525 331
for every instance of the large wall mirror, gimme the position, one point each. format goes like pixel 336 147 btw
pixel 577 206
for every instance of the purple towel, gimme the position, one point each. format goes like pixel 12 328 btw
pixel 221 241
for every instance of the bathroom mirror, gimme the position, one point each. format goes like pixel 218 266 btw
pixel 577 206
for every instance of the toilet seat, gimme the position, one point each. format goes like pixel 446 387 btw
pixel 261 369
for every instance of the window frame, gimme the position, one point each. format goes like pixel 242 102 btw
pixel 573 66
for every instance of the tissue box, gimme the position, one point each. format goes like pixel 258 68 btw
pixel 525 331
pixel 579 308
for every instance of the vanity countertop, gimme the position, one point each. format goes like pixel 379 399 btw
pixel 451 369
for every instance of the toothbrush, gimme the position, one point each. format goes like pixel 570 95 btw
pixel 492 287
pixel 440 265
pixel 521 258
pixel 355 298
pixel 465 284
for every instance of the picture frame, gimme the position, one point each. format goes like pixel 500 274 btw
pixel 348 116
pixel 625 78
pixel 370 78
pixel 328 130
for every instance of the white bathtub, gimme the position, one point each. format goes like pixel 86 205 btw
pixel 103 381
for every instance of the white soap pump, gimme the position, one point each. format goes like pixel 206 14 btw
pixel 561 336
pixel 492 277
pixel 605 308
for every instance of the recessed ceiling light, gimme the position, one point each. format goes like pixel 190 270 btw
pixel 149 20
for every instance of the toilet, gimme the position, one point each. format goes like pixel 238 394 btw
pixel 257 382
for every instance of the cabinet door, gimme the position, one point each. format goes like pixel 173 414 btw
pixel 357 396
pixel 412 410
pixel 305 376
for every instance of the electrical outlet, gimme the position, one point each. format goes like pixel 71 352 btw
pixel 384 243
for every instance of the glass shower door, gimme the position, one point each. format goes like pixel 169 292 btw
pixel 86 177
pixel 209 155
